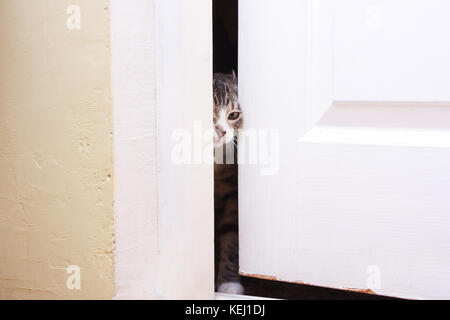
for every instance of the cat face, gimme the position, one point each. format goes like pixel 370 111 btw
pixel 227 112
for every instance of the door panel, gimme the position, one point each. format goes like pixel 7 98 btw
pixel 359 199
pixel 392 50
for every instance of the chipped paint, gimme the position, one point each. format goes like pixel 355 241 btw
pixel 267 277
pixel 367 291
pixel 258 276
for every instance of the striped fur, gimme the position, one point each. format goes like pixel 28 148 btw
pixel 226 184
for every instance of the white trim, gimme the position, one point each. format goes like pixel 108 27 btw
pixel 162 72
pixel 134 133
pixel 378 136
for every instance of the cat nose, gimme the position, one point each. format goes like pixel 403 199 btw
pixel 220 132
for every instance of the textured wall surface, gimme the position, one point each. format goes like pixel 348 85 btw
pixel 56 155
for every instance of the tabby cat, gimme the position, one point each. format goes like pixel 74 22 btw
pixel 227 121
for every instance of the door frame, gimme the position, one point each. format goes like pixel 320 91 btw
pixel 164 212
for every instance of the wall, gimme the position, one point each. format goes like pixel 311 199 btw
pixel 56 158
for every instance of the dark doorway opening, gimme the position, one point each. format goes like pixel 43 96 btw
pixel 225 35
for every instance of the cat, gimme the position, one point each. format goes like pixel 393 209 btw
pixel 227 121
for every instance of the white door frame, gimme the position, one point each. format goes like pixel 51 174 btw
pixel 162 72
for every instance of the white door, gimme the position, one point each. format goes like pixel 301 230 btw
pixel 356 194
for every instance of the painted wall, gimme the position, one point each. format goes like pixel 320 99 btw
pixel 56 159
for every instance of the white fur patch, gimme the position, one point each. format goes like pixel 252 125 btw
pixel 222 123
pixel 231 288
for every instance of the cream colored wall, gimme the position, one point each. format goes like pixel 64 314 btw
pixel 56 154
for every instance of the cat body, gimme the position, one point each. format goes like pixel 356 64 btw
pixel 227 121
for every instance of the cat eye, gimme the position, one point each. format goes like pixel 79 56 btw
pixel 234 115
